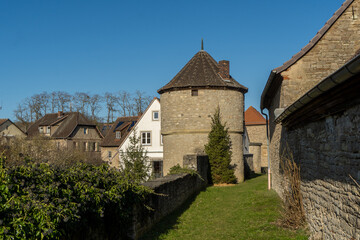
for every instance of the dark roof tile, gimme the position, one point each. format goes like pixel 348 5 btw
pixel 202 71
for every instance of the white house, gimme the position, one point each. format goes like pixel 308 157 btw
pixel 149 128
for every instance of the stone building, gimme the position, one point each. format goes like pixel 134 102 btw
pixel 116 134
pixel 69 130
pixel 9 130
pixel 189 100
pixel 255 125
pixel 313 104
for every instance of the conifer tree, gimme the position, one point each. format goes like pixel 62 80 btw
pixel 134 161
pixel 219 151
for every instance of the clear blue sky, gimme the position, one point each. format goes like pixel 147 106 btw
pixel 99 46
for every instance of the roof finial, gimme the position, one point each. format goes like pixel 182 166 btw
pixel 202 44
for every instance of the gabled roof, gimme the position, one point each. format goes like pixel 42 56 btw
pixel 4 120
pixel 202 71
pixel 273 75
pixel 253 117
pixel 122 124
pixel 139 119
pixel 67 124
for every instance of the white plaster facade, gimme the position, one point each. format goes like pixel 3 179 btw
pixel 149 122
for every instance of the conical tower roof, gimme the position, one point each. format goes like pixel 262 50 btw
pixel 202 71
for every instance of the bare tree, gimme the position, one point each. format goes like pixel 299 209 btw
pixel 44 101
pixel 22 114
pixel 95 101
pixel 54 102
pixel 141 101
pixel 64 101
pixel 124 101
pixel 110 100
pixel 81 102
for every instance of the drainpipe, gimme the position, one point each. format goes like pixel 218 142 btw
pixel 268 151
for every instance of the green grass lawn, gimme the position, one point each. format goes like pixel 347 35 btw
pixel 244 211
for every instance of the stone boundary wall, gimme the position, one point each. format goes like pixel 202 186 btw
pixel 171 192
pixel 328 152
pixel 248 165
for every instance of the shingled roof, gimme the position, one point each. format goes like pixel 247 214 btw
pixel 69 121
pixel 202 71
pixel 122 124
pixel 253 117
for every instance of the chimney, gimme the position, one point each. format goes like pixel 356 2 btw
pixel 60 113
pixel 224 69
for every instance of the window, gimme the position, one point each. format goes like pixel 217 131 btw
pixel 161 139
pixel 86 131
pixel 109 154
pixel 74 145
pixel 118 134
pixel 157 169
pixel 48 130
pixel 41 129
pixel 155 115
pixel 146 138
pixel 194 92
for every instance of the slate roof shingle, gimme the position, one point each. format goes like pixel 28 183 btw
pixel 69 121
pixel 122 124
pixel 202 71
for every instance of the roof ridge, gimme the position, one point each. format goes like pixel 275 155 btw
pixel 329 23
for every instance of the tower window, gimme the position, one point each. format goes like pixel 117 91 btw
pixel 194 92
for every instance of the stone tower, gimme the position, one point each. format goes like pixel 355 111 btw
pixel 189 100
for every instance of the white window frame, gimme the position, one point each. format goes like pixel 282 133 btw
pixel 147 138
pixel 153 115
pixel 41 130
pixel 118 134
pixel 161 139
pixel 48 129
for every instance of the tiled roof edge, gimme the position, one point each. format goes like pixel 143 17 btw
pixel 315 39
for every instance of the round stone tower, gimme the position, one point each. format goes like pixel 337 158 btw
pixel 187 103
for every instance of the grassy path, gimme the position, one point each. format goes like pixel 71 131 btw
pixel 244 211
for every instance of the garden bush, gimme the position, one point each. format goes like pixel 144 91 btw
pixel 42 201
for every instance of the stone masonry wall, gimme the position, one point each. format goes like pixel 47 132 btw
pixel 186 123
pixel 174 190
pixel 257 134
pixel 328 152
pixel 337 46
pixel 255 149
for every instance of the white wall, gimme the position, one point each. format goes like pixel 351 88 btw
pixel 147 124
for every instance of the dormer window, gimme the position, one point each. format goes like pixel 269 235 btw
pixel 118 134
pixel 155 115
pixel 86 131
pixel 41 130
pixel 48 130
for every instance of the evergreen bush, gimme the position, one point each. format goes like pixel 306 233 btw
pixel 219 151
pixel 134 162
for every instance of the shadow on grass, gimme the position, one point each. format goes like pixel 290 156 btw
pixel 251 175
pixel 169 222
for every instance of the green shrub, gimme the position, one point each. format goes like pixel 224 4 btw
pixel 40 201
pixel 219 151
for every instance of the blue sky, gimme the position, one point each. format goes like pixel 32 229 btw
pixel 100 46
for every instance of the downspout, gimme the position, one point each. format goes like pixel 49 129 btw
pixel 268 151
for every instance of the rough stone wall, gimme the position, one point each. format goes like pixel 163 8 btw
pixel 328 152
pixel 257 134
pixel 186 122
pixel 255 149
pixel 336 47
pixel 174 190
